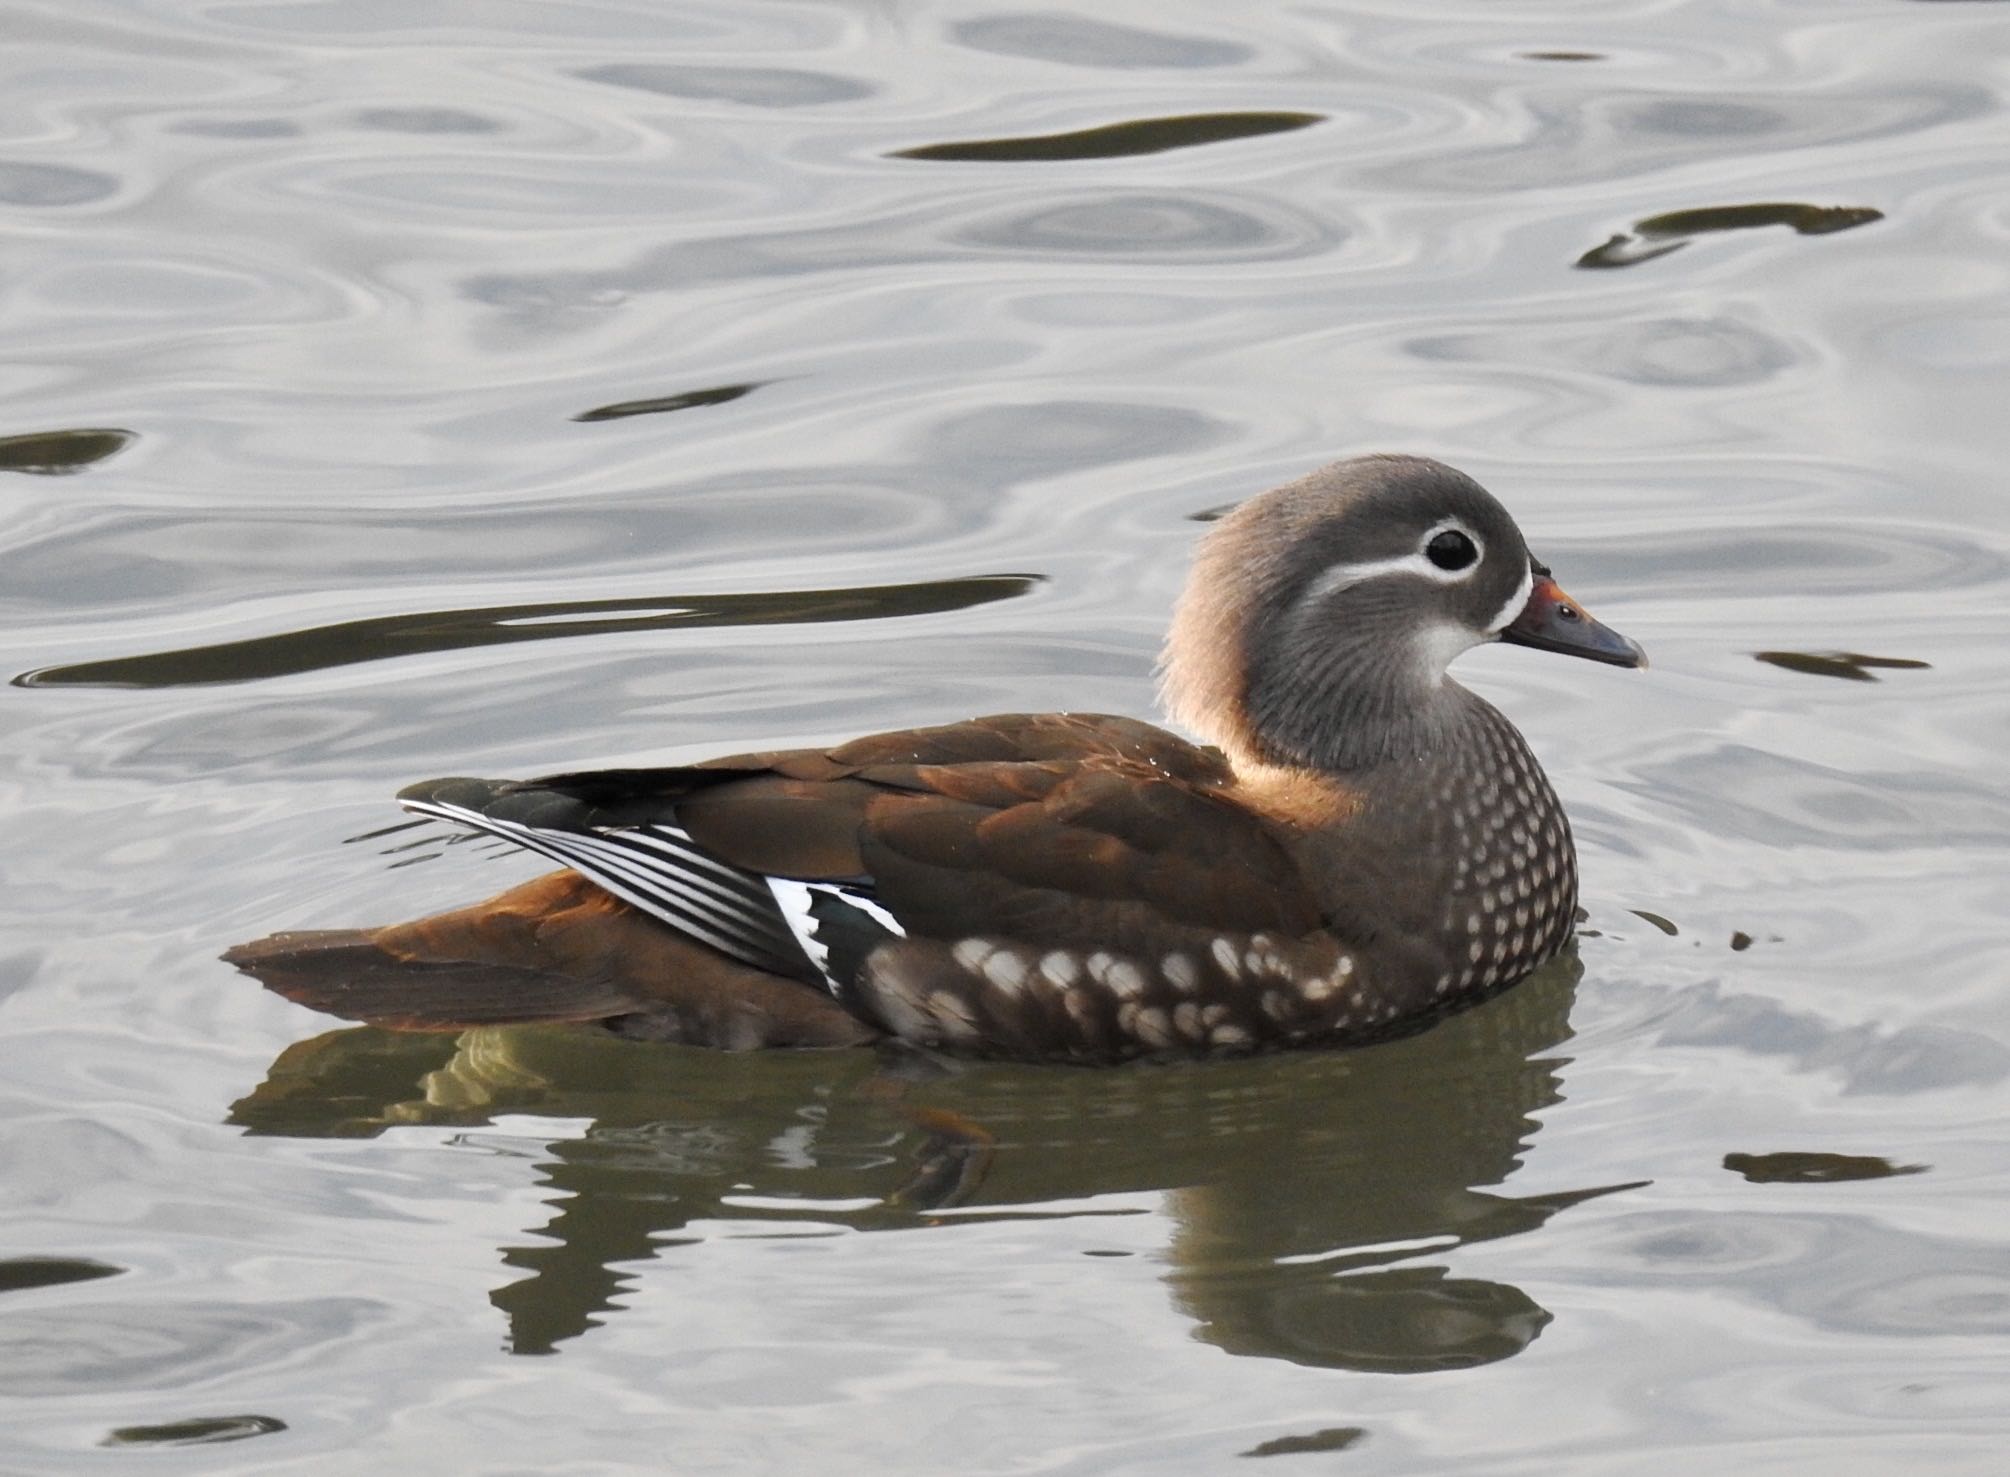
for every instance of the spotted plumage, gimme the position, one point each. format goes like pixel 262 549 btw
pixel 1366 845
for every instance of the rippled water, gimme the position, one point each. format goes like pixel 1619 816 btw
pixel 399 389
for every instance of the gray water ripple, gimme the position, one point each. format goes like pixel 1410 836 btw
pixel 1869 1060
pixel 103 1345
pixel 1736 791
pixel 1147 227
pixel 1128 225
pixel 1077 41
pixel 148 564
pixel 1585 138
pixel 754 87
pixel 593 21
pixel 1694 352
pixel 247 128
pixel 427 120
pixel 1842 1274
pixel 52 186
pixel 1823 563
pixel 444 190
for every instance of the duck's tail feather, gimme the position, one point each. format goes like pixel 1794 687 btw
pixel 351 973
pixel 555 949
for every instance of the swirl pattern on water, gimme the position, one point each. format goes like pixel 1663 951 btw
pixel 349 277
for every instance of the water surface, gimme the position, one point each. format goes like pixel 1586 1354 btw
pixel 396 390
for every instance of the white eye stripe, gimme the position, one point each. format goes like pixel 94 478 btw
pixel 1338 577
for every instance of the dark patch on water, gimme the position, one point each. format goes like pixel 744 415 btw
pixel 1333 1438
pixel 1657 235
pixel 1800 1167
pixel 662 404
pixel 1119 140
pixel 21 1273
pixel 59 453
pixel 1281 1267
pixel 196 1431
pixel 1406 1320
pixel 1851 666
pixel 378 638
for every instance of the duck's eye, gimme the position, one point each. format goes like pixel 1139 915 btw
pixel 1451 549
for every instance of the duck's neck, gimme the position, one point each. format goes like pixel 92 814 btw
pixel 1456 842
pixel 1347 712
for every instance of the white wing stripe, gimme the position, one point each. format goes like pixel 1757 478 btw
pixel 676 843
pixel 733 896
pixel 793 898
pixel 723 909
pixel 633 879
pixel 618 879
pixel 678 892
pixel 698 923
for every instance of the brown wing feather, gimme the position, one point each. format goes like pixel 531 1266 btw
pixel 783 827
pixel 962 826
pixel 896 760
pixel 1020 737
pixel 1122 836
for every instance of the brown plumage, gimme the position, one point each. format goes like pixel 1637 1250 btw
pixel 1371 846
pixel 554 949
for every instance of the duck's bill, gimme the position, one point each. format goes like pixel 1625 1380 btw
pixel 1552 621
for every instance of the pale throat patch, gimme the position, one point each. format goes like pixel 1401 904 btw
pixel 1435 645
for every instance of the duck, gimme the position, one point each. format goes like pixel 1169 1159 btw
pixel 1352 846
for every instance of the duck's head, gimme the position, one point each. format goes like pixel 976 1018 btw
pixel 1319 617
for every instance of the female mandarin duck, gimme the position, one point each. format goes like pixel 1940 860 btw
pixel 1370 845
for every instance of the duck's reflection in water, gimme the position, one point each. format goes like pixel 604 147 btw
pixel 1312 1197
